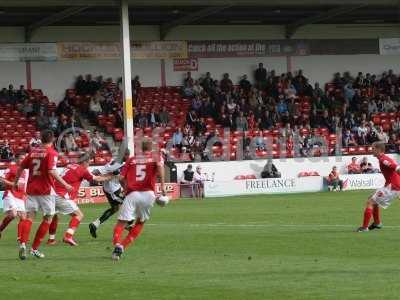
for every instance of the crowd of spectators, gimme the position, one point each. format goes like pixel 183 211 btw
pixel 274 101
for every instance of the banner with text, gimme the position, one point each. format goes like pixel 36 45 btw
pixel 216 49
pixel 389 46
pixel 262 186
pixel 362 181
pixel 95 194
pixel 186 65
pixel 111 50
pixel 28 52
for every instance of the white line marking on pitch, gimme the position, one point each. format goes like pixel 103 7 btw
pixel 255 225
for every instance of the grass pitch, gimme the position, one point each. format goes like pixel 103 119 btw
pixel 296 246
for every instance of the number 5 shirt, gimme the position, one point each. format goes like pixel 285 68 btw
pixel 40 161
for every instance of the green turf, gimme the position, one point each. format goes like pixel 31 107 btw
pixel 297 246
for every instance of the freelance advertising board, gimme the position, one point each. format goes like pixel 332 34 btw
pixel 262 186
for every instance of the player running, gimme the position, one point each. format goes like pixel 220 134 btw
pixel 384 196
pixel 139 176
pixel 42 163
pixel 14 199
pixel 74 174
pixel 112 189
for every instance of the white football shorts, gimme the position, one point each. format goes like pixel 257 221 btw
pixel 10 202
pixel 43 203
pixel 65 206
pixel 385 196
pixel 137 206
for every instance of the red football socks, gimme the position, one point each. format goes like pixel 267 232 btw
pixel 25 230
pixel 40 234
pixel 7 220
pixel 73 225
pixel 133 234
pixel 20 229
pixel 377 217
pixel 53 226
pixel 367 216
pixel 118 230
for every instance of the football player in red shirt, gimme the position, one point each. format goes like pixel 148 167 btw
pixel 384 196
pixel 14 199
pixel 73 174
pixel 42 163
pixel 139 177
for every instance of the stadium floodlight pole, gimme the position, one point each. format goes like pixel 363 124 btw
pixel 126 77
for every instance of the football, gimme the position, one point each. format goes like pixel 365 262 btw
pixel 162 200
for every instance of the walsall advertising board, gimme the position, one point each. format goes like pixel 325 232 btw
pixel 362 181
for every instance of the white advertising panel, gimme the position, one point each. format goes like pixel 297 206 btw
pixel 262 186
pixel 362 181
pixel 389 46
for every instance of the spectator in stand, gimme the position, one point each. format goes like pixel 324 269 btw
pixel 22 95
pixel 188 142
pixel 53 121
pixel 27 109
pixel 177 138
pixel 318 92
pixel 333 180
pixel 260 141
pixel 266 121
pixel 95 108
pixel 64 108
pixel 396 126
pixel 63 125
pixel 393 144
pixel 141 120
pixel 241 122
pixel 349 92
pixel 362 134
pixel 152 118
pixel 197 88
pixel 349 139
pixel 5 151
pixel 80 86
pixel 372 107
pixel 226 84
pixel 69 143
pixel 35 141
pixel 188 85
pixel 197 104
pixel 353 167
pixel 136 85
pixel 388 105
pixel 366 167
pixel 97 142
pixel 382 136
pixel 244 84
pixel 42 120
pixel 281 107
pixel 208 84
pixel 11 95
pixel 260 76
pixel 164 117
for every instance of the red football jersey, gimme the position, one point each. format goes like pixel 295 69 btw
pixel 20 192
pixel 39 162
pixel 73 175
pixel 388 167
pixel 141 173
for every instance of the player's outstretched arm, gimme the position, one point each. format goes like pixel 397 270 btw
pixel 17 176
pixel 161 173
pixel 102 178
pixel 57 177
pixel 7 182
